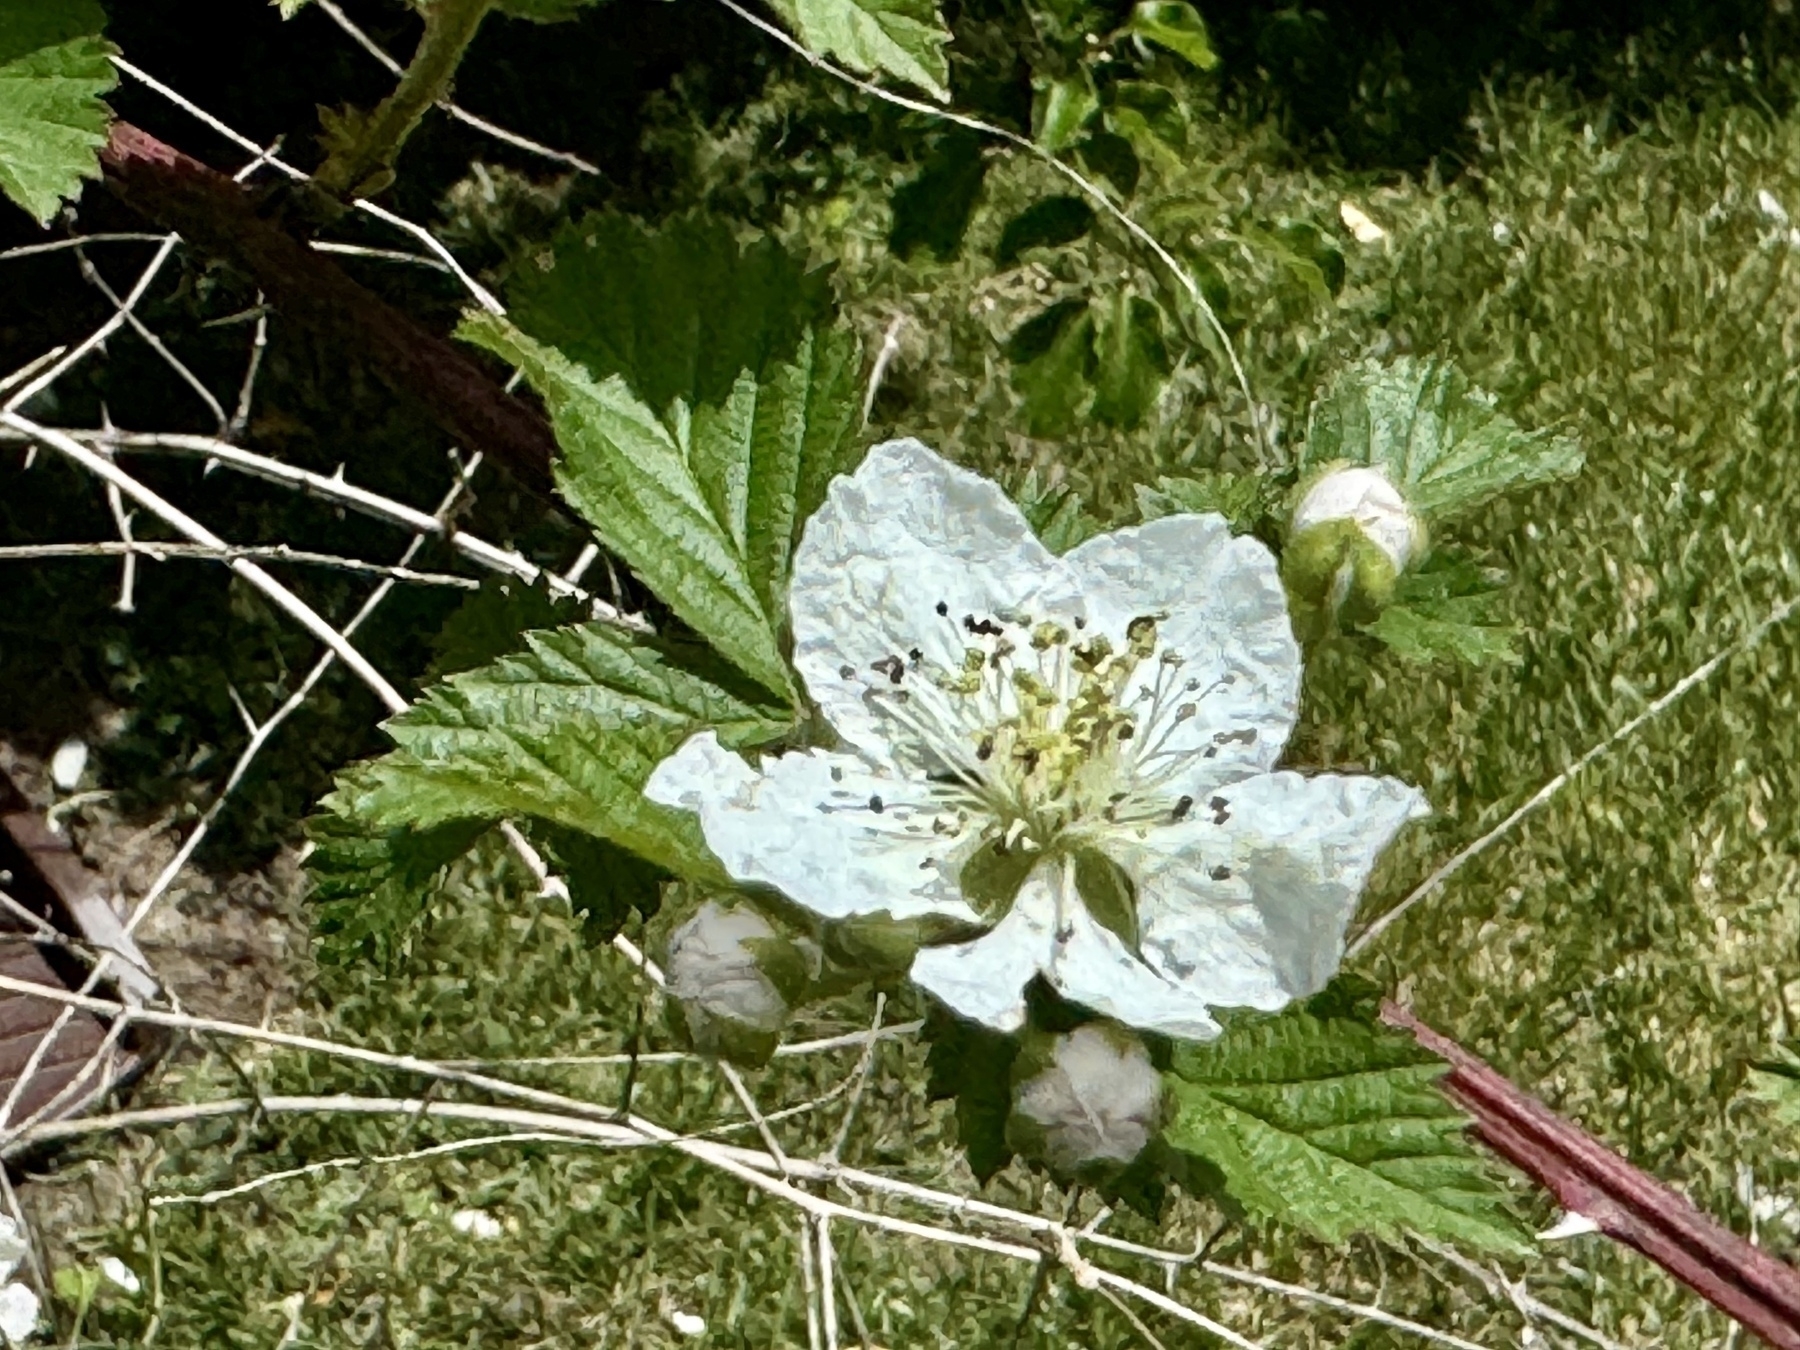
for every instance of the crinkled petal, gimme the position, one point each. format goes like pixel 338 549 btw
pixel 905 536
pixel 1226 615
pixel 825 829
pixel 1246 901
pixel 18 1313
pixel 985 980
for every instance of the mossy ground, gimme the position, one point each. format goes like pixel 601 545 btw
pixel 1623 952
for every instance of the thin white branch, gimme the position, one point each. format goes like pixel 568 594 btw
pixel 131 549
pixel 76 241
pixel 91 275
pixel 847 1041
pixel 335 489
pixel 280 595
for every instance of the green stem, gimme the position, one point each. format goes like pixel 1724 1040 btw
pixel 450 26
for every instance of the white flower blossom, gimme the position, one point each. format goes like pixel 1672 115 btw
pixel 477 1223
pixel 1115 712
pixel 19 1307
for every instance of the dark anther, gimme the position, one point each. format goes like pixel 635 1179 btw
pixel 1218 807
pixel 1030 759
pixel 986 749
pixel 891 666
pixel 1126 731
pixel 837 774
pixel 876 806
pixel 915 656
pixel 943 609
pixel 981 627
pixel 1243 735
pixel 847 672
pixel 928 864
pixel 1139 628
pixel 1081 621
pixel 1182 807
pixel 1220 873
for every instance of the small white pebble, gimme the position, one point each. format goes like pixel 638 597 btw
pixel 18 1313
pixel 1357 221
pixel 120 1274
pixel 477 1223
pixel 1570 1225
pixel 67 764
pixel 1771 208
pixel 687 1324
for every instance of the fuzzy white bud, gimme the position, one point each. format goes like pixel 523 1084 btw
pixel 1098 1101
pixel 714 972
pixel 1367 497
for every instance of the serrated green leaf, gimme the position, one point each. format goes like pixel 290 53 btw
pixel 1243 499
pixel 1130 360
pixel 680 311
pixel 54 66
pixel 371 883
pixel 631 478
pixel 932 210
pixel 1049 223
pixel 1176 26
pixel 1441 441
pixel 1060 109
pixel 489 624
pixel 1336 1127
pixel 1057 515
pixel 566 733
pixel 902 38
pixel 1427 633
pixel 1150 117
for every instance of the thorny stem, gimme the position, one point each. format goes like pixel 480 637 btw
pixel 450 26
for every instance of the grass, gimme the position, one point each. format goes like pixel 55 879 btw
pixel 1623 952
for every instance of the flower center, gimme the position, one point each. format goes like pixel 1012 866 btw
pixel 1044 734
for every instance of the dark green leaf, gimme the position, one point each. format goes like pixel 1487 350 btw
pixel 680 311
pixel 1441 441
pixel 1177 26
pixel 1149 117
pixel 1045 224
pixel 565 733
pixel 1111 156
pixel 1776 1082
pixel 1052 356
pixel 932 211
pixel 1427 633
pixel 1060 109
pixel 54 66
pixel 371 883
pixel 902 38
pixel 606 884
pixel 1337 1127
pixel 635 483
pixel 489 623
pixel 973 1065
pixel 1131 360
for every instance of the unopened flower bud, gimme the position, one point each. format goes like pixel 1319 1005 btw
pixel 1348 541
pixel 734 978
pixel 1366 497
pixel 1086 1102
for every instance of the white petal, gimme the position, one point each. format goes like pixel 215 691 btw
pixel 12 1247
pixel 18 1313
pixel 908 532
pixel 1357 221
pixel 1246 901
pixel 1227 617
pixel 687 1323
pixel 120 1274
pixel 985 980
pixel 831 833
pixel 67 763
pixel 1366 495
